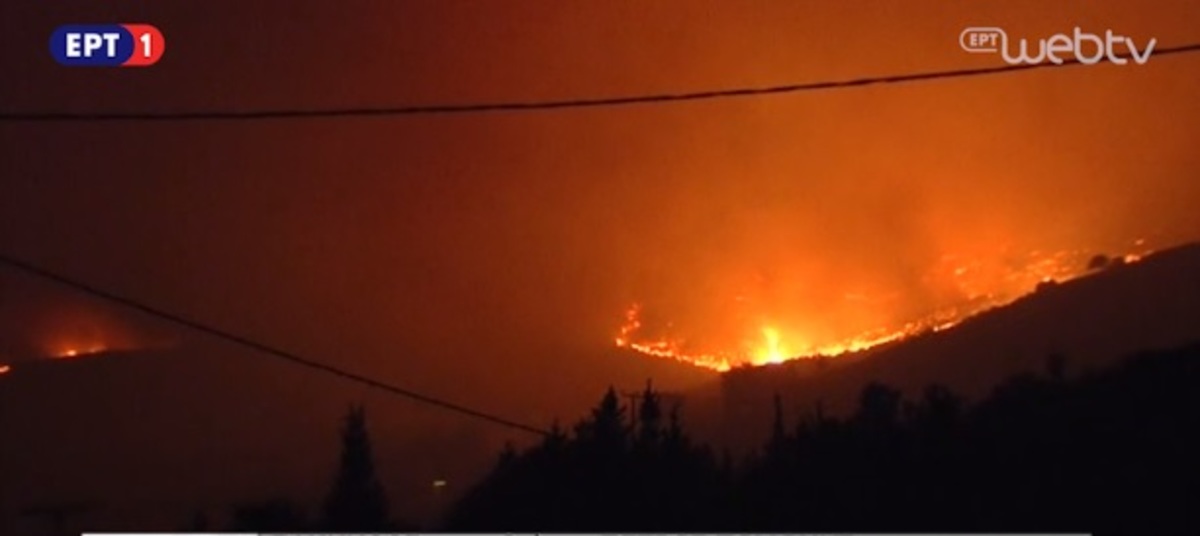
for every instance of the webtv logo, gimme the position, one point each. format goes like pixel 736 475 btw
pixel 1087 48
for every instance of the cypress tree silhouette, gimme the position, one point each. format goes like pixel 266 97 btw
pixel 674 439
pixel 1107 449
pixel 649 419
pixel 605 431
pixel 356 501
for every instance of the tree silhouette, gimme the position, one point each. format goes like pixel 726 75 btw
pixel 777 444
pixel 356 501
pixel 675 440
pixel 650 416
pixel 939 410
pixel 879 406
pixel 605 431
pixel 1104 451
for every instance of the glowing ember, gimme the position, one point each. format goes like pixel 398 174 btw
pixel 72 351
pixel 979 285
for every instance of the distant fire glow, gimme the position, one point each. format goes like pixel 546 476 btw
pixel 4 369
pixel 977 285
pixel 770 350
pixel 79 351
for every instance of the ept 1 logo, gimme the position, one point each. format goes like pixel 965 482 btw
pixel 107 45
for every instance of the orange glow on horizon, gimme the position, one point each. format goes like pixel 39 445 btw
pixel 68 352
pixel 981 287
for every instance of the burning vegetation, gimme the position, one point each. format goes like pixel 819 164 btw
pixel 86 338
pixel 79 351
pixel 976 284
pixel 51 329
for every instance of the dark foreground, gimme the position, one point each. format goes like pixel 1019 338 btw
pixel 1111 452
pixel 1107 452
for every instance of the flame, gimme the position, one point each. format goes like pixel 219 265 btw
pixel 981 287
pixel 68 351
pixel 4 369
pixel 772 351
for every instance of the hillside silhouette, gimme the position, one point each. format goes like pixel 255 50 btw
pixel 228 426
pixel 1089 323
pixel 1033 421
pixel 1106 453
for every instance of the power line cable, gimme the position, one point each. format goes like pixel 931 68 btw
pixel 516 106
pixel 450 109
pixel 262 348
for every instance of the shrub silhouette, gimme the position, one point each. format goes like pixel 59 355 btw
pixel 1103 452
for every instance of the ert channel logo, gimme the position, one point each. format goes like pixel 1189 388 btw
pixel 107 45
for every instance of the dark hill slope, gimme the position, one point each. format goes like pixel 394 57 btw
pixel 1090 322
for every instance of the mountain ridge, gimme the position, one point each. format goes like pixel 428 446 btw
pixel 1085 323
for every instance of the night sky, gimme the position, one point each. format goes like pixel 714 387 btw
pixel 489 258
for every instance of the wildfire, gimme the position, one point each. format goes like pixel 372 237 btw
pixel 980 286
pixel 770 350
pixel 666 348
pixel 78 351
